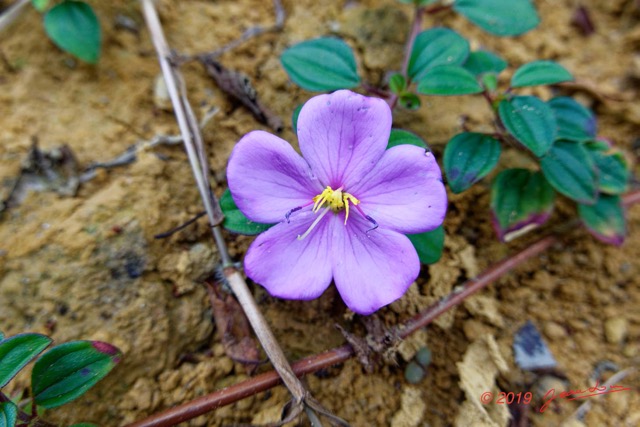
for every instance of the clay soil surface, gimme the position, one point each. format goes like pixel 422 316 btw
pixel 86 265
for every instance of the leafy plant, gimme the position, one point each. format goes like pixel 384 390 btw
pixel 72 26
pixel 59 376
pixel 558 134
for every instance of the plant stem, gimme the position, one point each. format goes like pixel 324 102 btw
pixel 195 151
pixel 416 26
pixel 337 355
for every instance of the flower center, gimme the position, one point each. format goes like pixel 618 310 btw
pixel 336 201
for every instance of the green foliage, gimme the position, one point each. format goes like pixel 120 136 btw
pixel 401 136
pixel 418 2
pixel 67 371
pixel 530 121
pixel 605 219
pixel 613 170
pixel 321 64
pixel 294 117
pixel 540 73
pixel 499 17
pixel 40 5
pixel 490 81
pixel 429 245
pixel 17 351
pixel 8 414
pixel 397 83
pixel 482 62
pixel 234 219
pixel 448 80
pixel 520 200
pixel 469 157
pixel 438 46
pixel 74 28
pixel 570 170
pixel 575 122
pixel 410 101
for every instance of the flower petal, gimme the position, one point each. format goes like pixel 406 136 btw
pixel 290 268
pixel 404 192
pixel 343 135
pixel 371 268
pixel 267 178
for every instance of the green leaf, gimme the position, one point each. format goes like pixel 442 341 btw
pixel 575 122
pixel 613 170
pixel 605 219
pixel 17 351
pixel 8 414
pixel 67 371
pixel 499 17
pixel 410 101
pixel 530 121
pixel 570 170
pixel 439 46
pixel 448 80
pixel 84 425
pixel 40 5
pixel 520 201
pixel 540 73
pixel 74 28
pixel 482 62
pixel 234 219
pixel 294 118
pixel 429 245
pixel 490 81
pixel 418 2
pixel 322 64
pixel 397 83
pixel 469 157
pixel 401 136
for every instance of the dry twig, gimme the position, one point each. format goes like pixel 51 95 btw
pixel 195 151
pixel 12 13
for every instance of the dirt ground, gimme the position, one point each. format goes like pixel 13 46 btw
pixel 87 266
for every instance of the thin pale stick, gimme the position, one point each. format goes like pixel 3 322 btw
pixel 212 207
pixel 12 13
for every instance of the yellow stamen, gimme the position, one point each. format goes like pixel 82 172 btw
pixel 348 198
pixel 336 199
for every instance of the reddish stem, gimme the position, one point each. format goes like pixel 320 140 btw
pixel 415 30
pixel 314 363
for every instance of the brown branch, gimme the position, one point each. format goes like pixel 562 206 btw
pixel 337 355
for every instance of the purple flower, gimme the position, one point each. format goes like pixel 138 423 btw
pixel 343 210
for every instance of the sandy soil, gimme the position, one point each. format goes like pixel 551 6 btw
pixel 88 267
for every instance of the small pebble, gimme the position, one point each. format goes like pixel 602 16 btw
pixel 414 373
pixel 423 357
pixel 554 330
pixel 615 329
